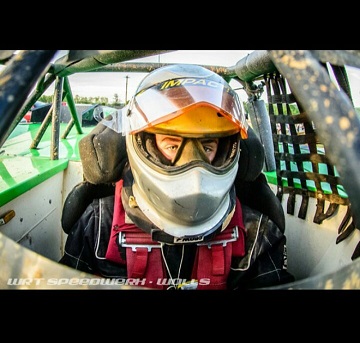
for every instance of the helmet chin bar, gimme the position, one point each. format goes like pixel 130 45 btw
pixel 175 225
pixel 161 236
pixel 157 234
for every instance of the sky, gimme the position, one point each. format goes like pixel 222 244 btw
pixel 107 84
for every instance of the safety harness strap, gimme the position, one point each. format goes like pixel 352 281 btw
pixel 213 263
pixel 137 262
pixel 214 259
pixel 141 264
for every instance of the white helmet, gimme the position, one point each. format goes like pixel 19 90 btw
pixel 187 198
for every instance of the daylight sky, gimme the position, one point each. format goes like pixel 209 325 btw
pixel 107 84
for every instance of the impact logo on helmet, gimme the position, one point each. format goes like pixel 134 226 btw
pixel 190 81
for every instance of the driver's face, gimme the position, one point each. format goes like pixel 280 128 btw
pixel 168 145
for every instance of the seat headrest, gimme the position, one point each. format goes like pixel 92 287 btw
pixel 252 157
pixel 103 155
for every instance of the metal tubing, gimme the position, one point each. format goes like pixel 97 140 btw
pixel 261 125
pixel 55 137
pixel 72 106
pixel 16 82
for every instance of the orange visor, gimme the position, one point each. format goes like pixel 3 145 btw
pixel 165 101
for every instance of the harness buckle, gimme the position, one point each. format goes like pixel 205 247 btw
pixel 233 237
pixel 134 246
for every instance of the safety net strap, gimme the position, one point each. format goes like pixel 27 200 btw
pixel 302 166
